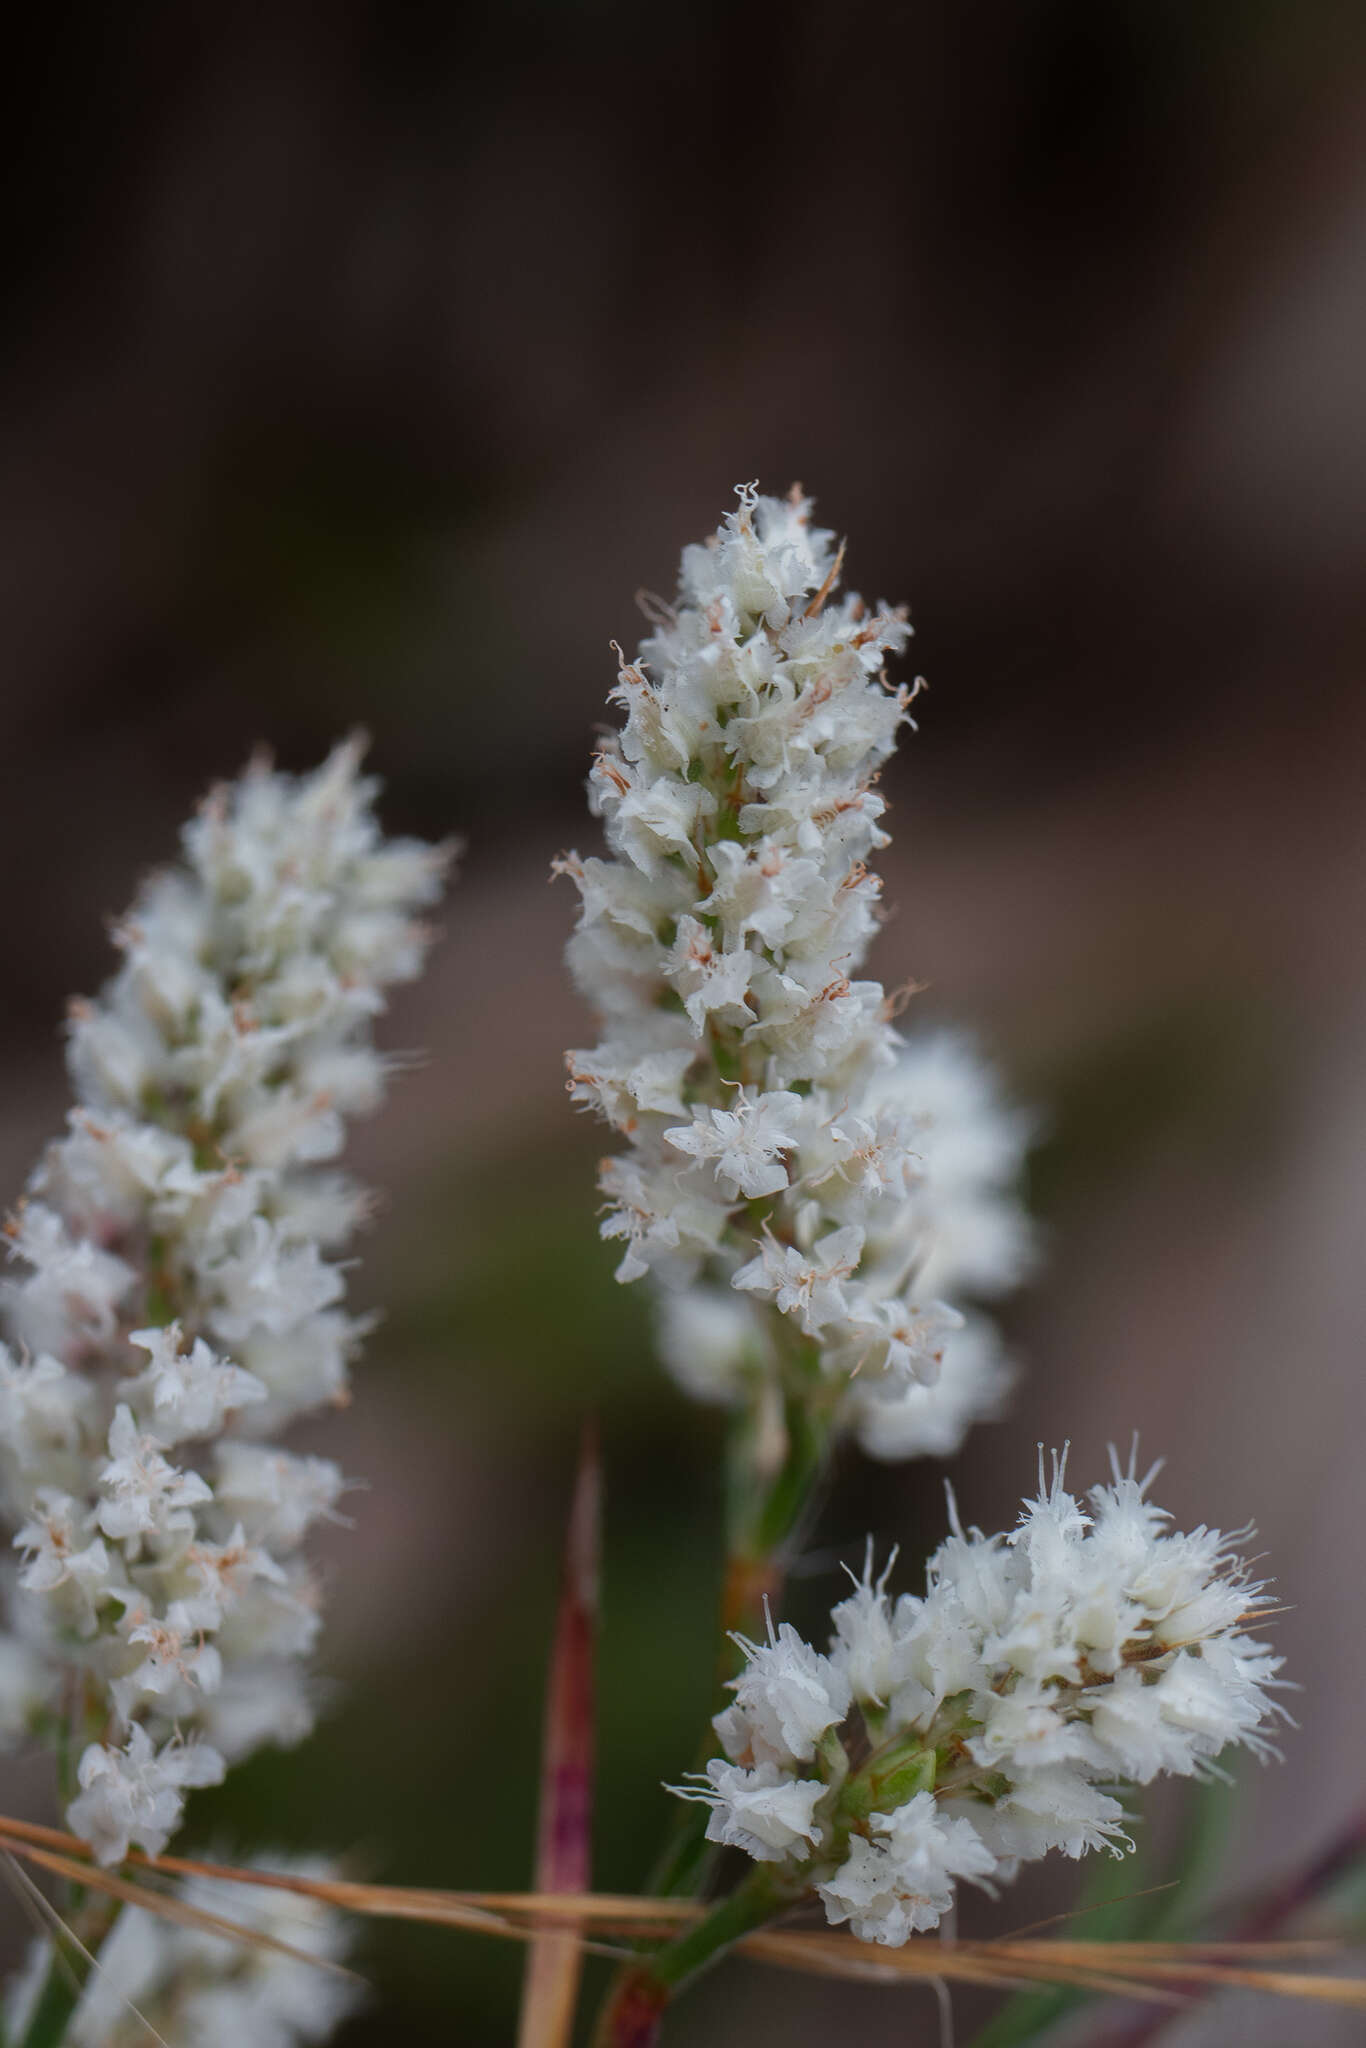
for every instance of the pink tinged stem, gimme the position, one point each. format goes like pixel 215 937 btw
pixel 564 1828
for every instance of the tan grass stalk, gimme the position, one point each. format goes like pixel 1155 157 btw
pixel 1152 1971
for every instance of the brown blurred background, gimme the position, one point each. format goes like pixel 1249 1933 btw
pixel 357 365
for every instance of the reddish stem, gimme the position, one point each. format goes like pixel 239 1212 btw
pixel 634 2014
pixel 749 1582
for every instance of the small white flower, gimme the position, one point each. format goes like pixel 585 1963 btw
pixel 43 1409
pixel 807 1286
pixel 1052 1808
pixel 276 1494
pixel 259 1702
pixel 173 1660
pixel 1023 1730
pixel 1129 1723
pixel 743 1144
pixel 223 1573
pixel 788 1695
pixel 653 818
pixel 189 1393
pixel 110 1169
pixel 763 1811
pixel 268 1282
pixel 708 1339
pixel 869 1648
pixel 623 1084
pixel 903 1883
pixel 898 1340
pixel 135 1794
pixel 62 1554
pixel 665 1225
pixel 713 983
pixel 145 1495
pixel 905 1420
pixel 301 1368
pixel 272 1615
pixel 853 1161
pixel 973 1234
pixel 73 1288
pixel 764 889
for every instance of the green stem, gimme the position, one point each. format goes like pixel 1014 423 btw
pixel 635 2008
pixel 767 1511
pixel 767 1501
pixel 66 1978
pixel 56 2002
pixel 764 1514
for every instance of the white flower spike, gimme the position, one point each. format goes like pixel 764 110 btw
pixel 177 1286
pixel 784 1140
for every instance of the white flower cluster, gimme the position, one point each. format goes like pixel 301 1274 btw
pixel 158 1980
pixel 958 1735
pixel 799 1181
pixel 178 1297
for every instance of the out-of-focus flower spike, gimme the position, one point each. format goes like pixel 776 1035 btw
pixel 176 1296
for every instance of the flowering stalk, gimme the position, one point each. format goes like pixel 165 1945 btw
pixel 957 1735
pixel 179 1302
pixel 777 1184
pixel 803 1188
pixel 765 1514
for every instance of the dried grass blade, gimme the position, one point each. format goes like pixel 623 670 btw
pixel 564 1830
pixel 52 1926
pixel 480 1912
pixel 1343 1991
pixel 1127 1969
pixel 558 1907
pixel 172 1908
pixel 1075 1913
pixel 1166 1951
pixel 379 1901
pixel 438 1908
pixel 1160 1972
pixel 868 1971
pixel 841 1955
pixel 792 1951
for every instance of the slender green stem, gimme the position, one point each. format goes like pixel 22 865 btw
pixel 768 1510
pixel 765 1510
pixel 635 2008
pixel 88 1919
pixel 776 1455
pixel 684 1864
pixel 66 1977
pixel 764 1894
pixel 56 2001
